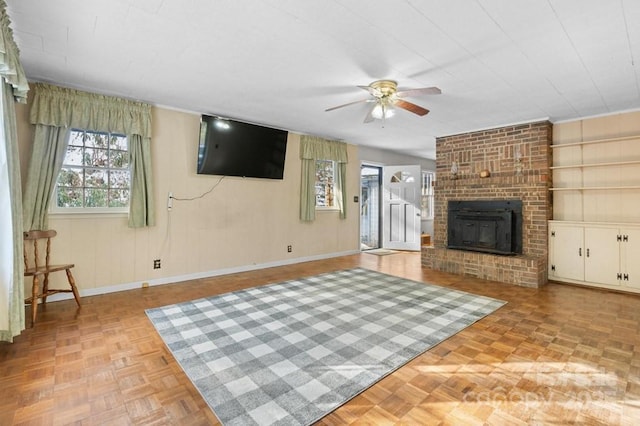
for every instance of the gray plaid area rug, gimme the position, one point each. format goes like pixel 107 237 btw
pixel 290 353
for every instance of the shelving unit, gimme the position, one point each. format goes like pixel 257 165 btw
pixel 595 233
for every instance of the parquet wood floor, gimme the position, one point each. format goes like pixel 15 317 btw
pixel 557 355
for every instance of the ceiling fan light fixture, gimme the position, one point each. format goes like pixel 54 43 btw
pixel 387 98
pixel 383 110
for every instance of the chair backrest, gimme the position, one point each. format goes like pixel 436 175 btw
pixel 31 239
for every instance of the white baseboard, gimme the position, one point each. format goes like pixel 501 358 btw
pixel 188 277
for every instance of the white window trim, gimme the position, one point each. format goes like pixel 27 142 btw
pixel 327 209
pixel 75 211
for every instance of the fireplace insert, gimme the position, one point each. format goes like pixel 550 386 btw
pixel 492 226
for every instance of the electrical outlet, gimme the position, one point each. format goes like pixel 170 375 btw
pixel 156 264
pixel 289 249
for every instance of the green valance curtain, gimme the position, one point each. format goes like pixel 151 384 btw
pixel 62 107
pixel 314 148
pixel 13 87
pixel 54 111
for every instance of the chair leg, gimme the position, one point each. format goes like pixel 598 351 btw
pixel 34 299
pixel 45 289
pixel 72 283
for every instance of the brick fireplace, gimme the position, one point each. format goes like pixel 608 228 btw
pixel 514 164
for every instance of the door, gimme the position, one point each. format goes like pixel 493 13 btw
pixel 401 207
pixel 601 256
pixel 370 183
pixel 629 254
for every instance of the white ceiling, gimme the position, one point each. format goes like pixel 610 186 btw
pixel 281 63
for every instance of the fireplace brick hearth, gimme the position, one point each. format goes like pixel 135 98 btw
pixel 524 177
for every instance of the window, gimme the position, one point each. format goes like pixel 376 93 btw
pixel 427 198
pixel 325 194
pixel 95 175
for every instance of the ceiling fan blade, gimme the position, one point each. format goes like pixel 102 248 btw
pixel 350 103
pixel 422 91
pixel 372 90
pixel 416 109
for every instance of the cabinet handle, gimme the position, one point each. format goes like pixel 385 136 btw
pixel 625 238
pixel 626 277
pixel 553 233
pixel 619 238
pixel 619 276
pixel 580 252
pixel 587 252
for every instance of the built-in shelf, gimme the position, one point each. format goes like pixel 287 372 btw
pixel 624 138
pixel 600 188
pixel 579 166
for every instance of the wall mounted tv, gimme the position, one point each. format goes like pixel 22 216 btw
pixel 234 148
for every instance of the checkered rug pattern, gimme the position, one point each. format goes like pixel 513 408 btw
pixel 290 353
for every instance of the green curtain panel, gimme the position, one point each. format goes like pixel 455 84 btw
pixel 47 154
pixel 140 213
pixel 60 109
pixel 11 262
pixel 10 68
pixel 314 148
pixel 14 87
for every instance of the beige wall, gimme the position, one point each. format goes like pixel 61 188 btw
pixel 241 224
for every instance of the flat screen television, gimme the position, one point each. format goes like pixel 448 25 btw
pixel 234 148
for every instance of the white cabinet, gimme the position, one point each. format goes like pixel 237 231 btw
pixel 565 252
pixel 630 257
pixel 595 254
pixel 602 255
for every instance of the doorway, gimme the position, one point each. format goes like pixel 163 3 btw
pixel 401 207
pixel 370 184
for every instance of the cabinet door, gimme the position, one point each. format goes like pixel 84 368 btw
pixel 566 252
pixel 601 255
pixel 630 257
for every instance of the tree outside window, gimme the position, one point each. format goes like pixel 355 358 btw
pixel 95 173
pixel 325 194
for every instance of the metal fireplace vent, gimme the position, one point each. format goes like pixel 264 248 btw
pixel 492 226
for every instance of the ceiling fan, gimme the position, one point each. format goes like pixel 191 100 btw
pixel 386 98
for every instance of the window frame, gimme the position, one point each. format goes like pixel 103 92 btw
pixel 427 192
pixel 84 210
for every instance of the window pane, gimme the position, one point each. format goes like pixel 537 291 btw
pixel 69 197
pixel 402 176
pixel 118 198
pixel 95 197
pixel 69 176
pixel 95 178
pixel 119 179
pixel 96 157
pixel 324 183
pixel 119 159
pixel 118 142
pixel 73 156
pixel 76 138
pixel 97 140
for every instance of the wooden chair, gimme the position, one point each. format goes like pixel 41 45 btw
pixel 38 270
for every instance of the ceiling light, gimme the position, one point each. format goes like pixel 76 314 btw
pixel 383 110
